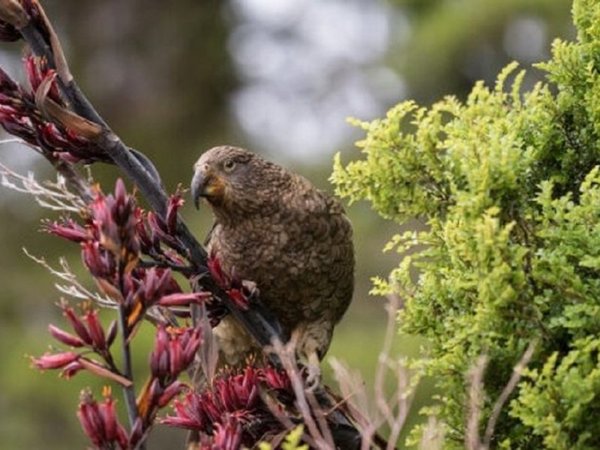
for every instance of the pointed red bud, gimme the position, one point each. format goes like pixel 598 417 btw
pixel 77 325
pixel 64 337
pixel 175 202
pixel 54 361
pixel 183 299
pixel 95 330
pixel 67 230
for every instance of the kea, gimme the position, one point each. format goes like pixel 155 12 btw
pixel 293 241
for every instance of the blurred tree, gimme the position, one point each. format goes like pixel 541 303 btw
pixel 161 75
pixel 454 43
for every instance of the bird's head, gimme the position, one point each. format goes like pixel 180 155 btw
pixel 231 178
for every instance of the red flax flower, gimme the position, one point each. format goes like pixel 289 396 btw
pixel 234 287
pixel 100 263
pixel 174 351
pixel 113 237
pixel 38 72
pixel 153 231
pixel 116 232
pixel 228 436
pixel 88 335
pixel 113 218
pixel 160 231
pixel 88 330
pixel 20 116
pixel 72 362
pixel 147 287
pixel 231 412
pixel 100 423
pixel 175 203
pixel 67 229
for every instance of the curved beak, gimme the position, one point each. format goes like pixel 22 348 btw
pixel 199 182
pixel 206 183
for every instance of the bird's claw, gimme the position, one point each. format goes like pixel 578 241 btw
pixel 313 377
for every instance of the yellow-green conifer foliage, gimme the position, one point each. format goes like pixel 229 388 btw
pixel 509 187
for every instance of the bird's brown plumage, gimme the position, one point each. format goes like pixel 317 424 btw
pixel 275 228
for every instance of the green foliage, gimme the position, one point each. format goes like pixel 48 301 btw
pixel 560 403
pixel 508 186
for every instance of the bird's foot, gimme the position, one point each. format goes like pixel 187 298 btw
pixel 313 371
pixel 313 377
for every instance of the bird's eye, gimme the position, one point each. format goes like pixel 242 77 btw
pixel 229 165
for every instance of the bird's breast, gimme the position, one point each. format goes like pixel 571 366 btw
pixel 302 264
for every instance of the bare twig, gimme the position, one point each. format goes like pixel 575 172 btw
pixel 353 390
pixel 384 357
pixel 404 401
pixel 475 406
pixel 475 403
pixel 73 288
pixel 506 392
pixel 287 357
pixel 51 195
pixel 404 385
pixel 396 411
pixel 391 409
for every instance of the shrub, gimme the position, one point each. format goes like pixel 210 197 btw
pixel 508 187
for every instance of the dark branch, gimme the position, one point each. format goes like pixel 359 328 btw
pixel 138 168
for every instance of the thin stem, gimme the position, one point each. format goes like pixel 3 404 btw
pixel 384 356
pixel 287 358
pixel 403 401
pixel 506 392
pixel 475 398
pixel 128 392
